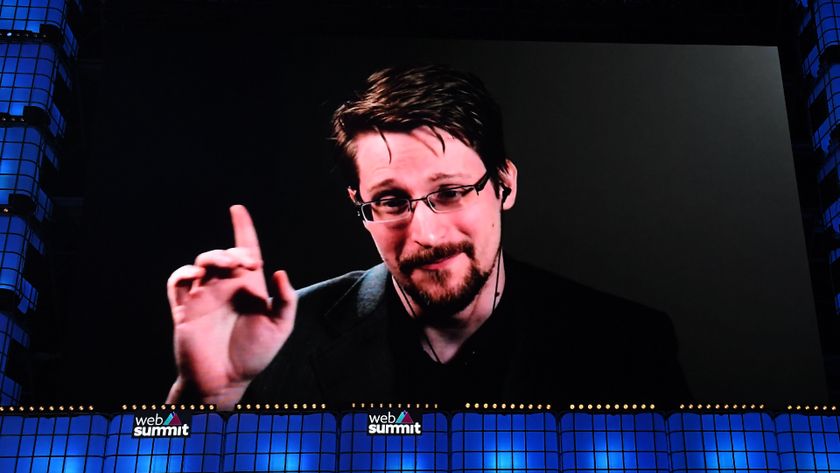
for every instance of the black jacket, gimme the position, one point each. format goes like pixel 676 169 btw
pixel 567 343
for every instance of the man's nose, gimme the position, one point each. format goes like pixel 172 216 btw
pixel 426 227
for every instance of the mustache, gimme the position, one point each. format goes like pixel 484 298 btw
pixel 431 255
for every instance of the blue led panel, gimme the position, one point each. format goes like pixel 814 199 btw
pixel 826 13
pixel 808 443
pixel 29 15
pixel 301 443
pixel 23 153
pixel 829 84
pixel 497 442
pixel 14 236
pixel 200 452
pixel 361 452
pixel 28 72
pixel 52 444
pixel 9 330
pixel 619 442
pixel 730 443
pixel 827 31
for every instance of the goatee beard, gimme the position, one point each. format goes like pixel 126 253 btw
pixel 437 308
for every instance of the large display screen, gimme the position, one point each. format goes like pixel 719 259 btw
pixel 661 174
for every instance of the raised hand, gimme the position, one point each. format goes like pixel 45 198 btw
pixel 227 330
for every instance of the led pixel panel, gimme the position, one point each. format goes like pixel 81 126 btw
pixel 362 452
pixel 52 444
pixel 504 442
pixel 9 331
pixel 295 442
pixel 825 107
pixel 200 452
pixel 23 153
pixel 827 22
pixel 29 15
pixel 614 442
pixel 808 443
pixel 728 442
pixel 15 239
pixel 27 78
pixel 826 33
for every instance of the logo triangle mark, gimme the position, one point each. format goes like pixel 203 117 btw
pixel 407 418
pixel 174 419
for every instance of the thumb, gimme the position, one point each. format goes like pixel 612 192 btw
pixel 285 305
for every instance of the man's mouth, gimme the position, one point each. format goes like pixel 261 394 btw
pixel 435 259
pixel 438 263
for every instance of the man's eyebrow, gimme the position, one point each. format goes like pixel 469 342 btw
pixel 391 182
pixel 443 176
pixel 383 184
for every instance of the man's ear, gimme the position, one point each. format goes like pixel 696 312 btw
pixel 353 194
pixel 508 183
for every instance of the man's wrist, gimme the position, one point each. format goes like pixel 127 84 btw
pixel 185 391
pixel 226 399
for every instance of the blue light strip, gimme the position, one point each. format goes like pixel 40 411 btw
pixel 585 442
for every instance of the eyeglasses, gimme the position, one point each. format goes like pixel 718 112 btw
pixel 451 199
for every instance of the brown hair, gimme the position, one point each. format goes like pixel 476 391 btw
pixel 400 99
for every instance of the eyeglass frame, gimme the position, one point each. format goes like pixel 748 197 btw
pixel 477 187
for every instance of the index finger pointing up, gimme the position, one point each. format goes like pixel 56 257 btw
pixel 244 234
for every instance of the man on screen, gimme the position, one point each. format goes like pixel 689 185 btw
pixel 448 317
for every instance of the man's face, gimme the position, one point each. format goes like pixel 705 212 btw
pixel 442 260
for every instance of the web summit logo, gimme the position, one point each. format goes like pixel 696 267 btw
pixel 388 424
pixel 159 426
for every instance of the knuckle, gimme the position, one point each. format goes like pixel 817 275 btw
pixel 178 275
pixel 210 255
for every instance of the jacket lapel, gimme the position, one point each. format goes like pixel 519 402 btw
pixel 358 366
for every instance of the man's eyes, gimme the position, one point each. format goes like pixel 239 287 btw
pixel 390 203
pixel 451 194
pixel 396 199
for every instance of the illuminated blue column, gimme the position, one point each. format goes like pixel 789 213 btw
pixel 36 47
pixel 819 38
